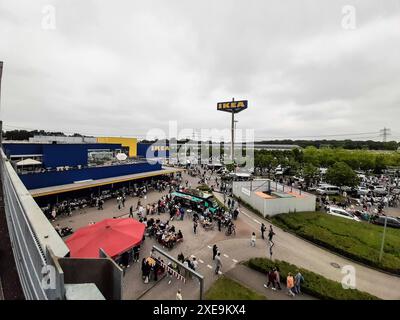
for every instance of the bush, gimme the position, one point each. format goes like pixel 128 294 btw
pixel 314 284
pixel 358 241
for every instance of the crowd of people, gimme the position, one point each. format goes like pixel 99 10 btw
pixel 293 283
pixel 163 232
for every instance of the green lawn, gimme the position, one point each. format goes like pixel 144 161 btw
pixel 227 289
pixel 357 240
pixel 314 284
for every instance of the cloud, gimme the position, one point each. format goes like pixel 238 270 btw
pixel 123 68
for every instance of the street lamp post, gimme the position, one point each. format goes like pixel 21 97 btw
pixel 383 240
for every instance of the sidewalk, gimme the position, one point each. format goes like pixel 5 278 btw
pixel 255 281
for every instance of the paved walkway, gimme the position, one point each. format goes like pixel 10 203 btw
pixel 255 280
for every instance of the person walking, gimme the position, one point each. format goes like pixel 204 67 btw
pixel 253 240
pixel 215 251
pixel 136 251
pixel 270 250
pixel 298 279
pixel 271 280
pixel 271 234
pixel 290 284
pixel 195 264
pixel 263 229
pixel 195 226
pixel 219 223
pixel 169 272
pixel 277 278
pixel 131 212
pixel 179 295
pixel 218 263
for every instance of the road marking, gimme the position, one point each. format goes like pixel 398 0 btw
pixel 226 256
pixel 219 272
pixel 209 247
pixel 201 261
pixel 235 261
pixel 255 220
pixel 208 266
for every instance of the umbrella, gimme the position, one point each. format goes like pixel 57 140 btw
pixel 122 156
pixel 28 162
pixel 114 236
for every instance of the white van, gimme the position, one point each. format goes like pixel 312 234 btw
pixel 328 190
pixel 339 212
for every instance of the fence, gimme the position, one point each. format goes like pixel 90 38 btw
pixel 30 233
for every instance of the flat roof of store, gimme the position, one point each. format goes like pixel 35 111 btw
pixel 100 182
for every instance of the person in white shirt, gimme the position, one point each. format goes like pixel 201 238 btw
pixel 195 264
pixel 253 240
pixel 179 295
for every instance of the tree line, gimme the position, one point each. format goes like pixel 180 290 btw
pixel 345 144
pixel 340 163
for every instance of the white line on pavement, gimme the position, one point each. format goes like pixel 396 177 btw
pixel 226 256
pixel 208 266
pixel 201 261
pixel 209 247
pixel 234 260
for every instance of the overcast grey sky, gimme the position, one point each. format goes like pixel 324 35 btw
pixel 124 67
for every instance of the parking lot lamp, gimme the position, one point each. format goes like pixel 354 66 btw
pixel 383 240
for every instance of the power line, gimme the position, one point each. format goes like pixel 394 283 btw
pixel 197 134
pixel 384 133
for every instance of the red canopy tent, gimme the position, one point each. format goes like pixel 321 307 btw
pixel 114 236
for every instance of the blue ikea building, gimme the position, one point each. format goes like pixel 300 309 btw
pixel 74 156
pixel 153 150
pixel 57 155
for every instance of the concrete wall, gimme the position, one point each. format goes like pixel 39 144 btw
pixel 103 272
pixel 270 207
pixel 30 233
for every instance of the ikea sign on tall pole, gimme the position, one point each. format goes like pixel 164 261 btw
pixel 232 107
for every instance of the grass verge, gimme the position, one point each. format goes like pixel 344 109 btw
pixel 228 289
pixel 358 241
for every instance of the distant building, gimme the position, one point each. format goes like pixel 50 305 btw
pixel 62 139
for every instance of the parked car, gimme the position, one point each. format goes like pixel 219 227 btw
pixel 380 191
pixel 363 191
pixel 339 212
pixel 328 190
pixel 391 221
